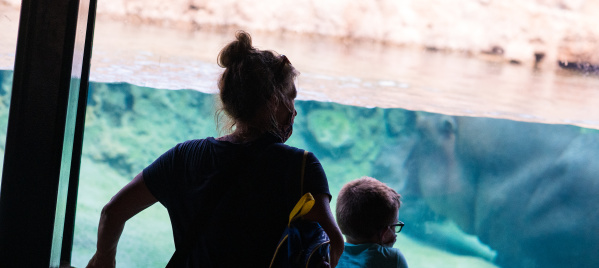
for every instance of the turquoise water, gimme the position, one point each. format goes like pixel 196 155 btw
pixel 477 192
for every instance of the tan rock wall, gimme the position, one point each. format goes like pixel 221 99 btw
pixel 511 29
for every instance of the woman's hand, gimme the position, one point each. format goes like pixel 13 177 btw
pixel 101 261
pixel 130 200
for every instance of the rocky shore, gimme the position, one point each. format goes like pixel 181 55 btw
pixel 554 32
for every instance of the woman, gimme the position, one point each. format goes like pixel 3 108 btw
pixel 229 198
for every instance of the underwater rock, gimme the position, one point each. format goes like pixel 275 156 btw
pixel 129 126
pixel 527 190
pixel 339 131
pixel 111 100
pixel 398 121
pixel 371 133
pixel 356 134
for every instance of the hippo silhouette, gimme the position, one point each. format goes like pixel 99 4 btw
pixel 530 191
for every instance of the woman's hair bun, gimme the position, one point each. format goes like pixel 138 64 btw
pixel 236 51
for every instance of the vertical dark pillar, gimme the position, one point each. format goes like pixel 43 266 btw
pixel 41 129
pixel 69 225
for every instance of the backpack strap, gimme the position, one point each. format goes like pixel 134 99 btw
pixel 303 171
pixel 301 208
pixel 306 202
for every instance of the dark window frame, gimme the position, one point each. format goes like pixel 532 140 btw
pixel 45 132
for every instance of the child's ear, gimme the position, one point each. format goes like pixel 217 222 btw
pixel 381 238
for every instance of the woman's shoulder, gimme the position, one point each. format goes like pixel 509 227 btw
pixel 190 146
pixel 284 147
pixel 195 142
pixel 291 150
pixel 282 150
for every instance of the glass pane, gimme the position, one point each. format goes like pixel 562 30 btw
pixel 9 25
pixel 488 130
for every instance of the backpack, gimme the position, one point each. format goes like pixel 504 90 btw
pixel 303 243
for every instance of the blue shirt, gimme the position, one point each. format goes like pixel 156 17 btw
pixel 371 255
pixel 244 193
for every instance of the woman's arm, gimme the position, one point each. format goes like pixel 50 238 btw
pixel 321 212
pixel 130 200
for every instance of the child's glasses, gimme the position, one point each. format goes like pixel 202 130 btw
pixel 397 227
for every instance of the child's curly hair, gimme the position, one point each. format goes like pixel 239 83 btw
pixel 365 206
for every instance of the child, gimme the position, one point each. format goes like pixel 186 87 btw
pixel 367 215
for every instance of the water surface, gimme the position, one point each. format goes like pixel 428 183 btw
pixel 357 73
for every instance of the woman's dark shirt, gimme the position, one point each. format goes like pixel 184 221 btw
pixel 244 193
